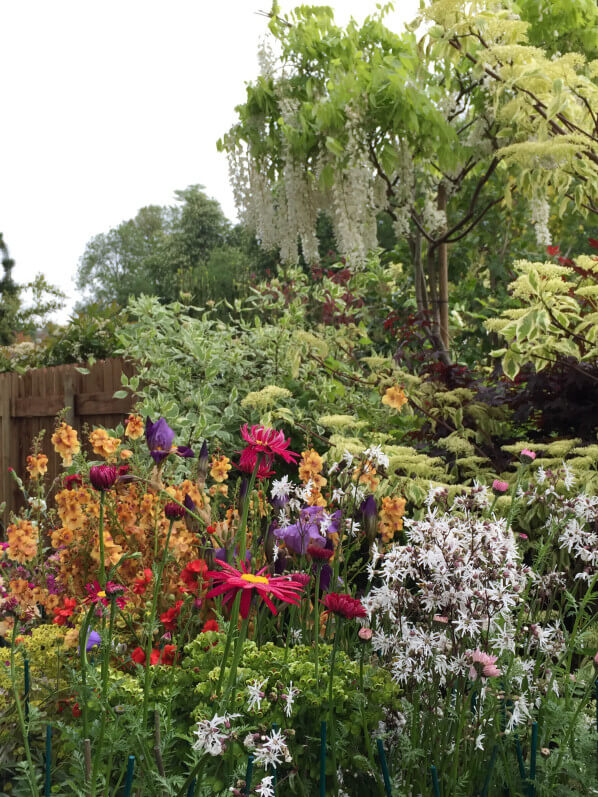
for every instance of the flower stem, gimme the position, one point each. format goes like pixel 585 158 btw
pixel 229 695
pixel 102 571
pixel 330 702
pixel 22 725
pixel 150 630
pixel 104 693
pixel 317 624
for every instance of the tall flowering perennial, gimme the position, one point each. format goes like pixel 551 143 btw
pixel 231 580
pixel 66 443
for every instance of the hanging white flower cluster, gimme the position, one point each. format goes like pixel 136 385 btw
pixel 540 215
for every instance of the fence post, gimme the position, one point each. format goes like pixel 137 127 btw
pixel 5 480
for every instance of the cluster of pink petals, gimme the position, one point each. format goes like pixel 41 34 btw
pixel 265 443
pixel 500 487
pixel 527 455
pixel 487 665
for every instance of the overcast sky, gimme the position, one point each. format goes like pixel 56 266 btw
pixel 109 106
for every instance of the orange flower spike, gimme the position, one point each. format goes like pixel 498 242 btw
pixel 220 468
pixel 37 465
pixel 135 427
pixel 22 541
pixel 65 443
pixel 103 444
pixel 395 397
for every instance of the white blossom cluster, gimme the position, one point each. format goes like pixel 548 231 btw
pixel 213 735
pixel 272 750
pixel 540 214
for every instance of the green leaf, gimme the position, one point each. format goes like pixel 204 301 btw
pixel 510 365
pixel 120 394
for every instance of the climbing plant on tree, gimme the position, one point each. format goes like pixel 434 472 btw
pixel 353 121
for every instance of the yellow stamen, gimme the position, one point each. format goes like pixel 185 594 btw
pixel 101 594
pixel 254 579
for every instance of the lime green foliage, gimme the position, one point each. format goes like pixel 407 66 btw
pixel 556 316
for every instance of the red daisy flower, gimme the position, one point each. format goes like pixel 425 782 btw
pixel 210 625
pixel 232 580
pixel 344 605
pixel 138 656
pixel 266 443
pixel 169 618
pixel 194 574
pixel 141 584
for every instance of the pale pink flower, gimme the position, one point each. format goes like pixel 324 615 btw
pixel 365 634
pixel 500 487
pixel 527 456
pixel 487 665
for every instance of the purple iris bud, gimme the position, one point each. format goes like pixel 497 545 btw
pixel 369 515
pixel 242 494
pixel 159 437
pixel 203 462
pixel 184 451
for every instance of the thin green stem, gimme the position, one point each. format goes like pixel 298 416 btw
pixel 102 570
pixel 22 724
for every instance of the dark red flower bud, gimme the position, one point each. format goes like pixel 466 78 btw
pixel 102 477
pixel 319 553
pixel 72 481
pixel 174 511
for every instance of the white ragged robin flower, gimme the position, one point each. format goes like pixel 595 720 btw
pixel 212 735
pixel 282 488
pixel 256 694
pixel 376 456
pixel 289 698
pixel 266 787
pixel 272 751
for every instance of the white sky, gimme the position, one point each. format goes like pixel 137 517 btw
pixel 111 105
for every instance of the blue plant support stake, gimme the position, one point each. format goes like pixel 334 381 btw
pixel 490 768
pixel 323 759
pixel 129 776
pixel 520 759
pixel 27 689
pixel 435 784
pixel 48 780
pixel 191 788
pixel 248 775
pixel 532 762
pixel 384 765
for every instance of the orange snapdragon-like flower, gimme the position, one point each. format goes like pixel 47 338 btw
pixel 126 453
pixel 134 428
pixel 394 397
pixel 22 541
pixel 310 469
pixel 391 517
pixel 65 443
pixel 71 505
pixel 366 474
pixel 37 465
pixel 103 444
pixel 220 468
pixel 62 536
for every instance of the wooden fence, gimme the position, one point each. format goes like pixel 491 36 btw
pixel 30 402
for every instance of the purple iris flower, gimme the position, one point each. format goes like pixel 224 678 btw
pixel 307 530
pixel 160 437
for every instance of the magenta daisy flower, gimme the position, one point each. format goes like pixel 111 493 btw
pixel 267 442
pixel 230 580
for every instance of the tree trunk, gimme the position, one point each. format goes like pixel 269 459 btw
pixel 443 298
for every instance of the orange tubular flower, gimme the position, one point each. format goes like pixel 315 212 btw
pixel 22 541
pixel 103 444
pixel 220 468
pixel 37 465
pixel 135 427
pixel 232 580
pixel 391 517
pixel 394 397
pixel 65 443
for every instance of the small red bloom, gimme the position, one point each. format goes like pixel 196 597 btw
pixel 169 617
pixel 194 574
pixel 76 710
pixel 174 511
pixel 138 656
pixel 265 443
pixel 141 584
pixel 344 605
pixel 593 243
pixel 565 261
pixel 553 250
pixel 211 529
pixel 319 552
pixel 72 481
pixel 210 625
pixel 167 655
pixel 61 616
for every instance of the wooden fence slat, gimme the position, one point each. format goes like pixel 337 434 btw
pixel 29 402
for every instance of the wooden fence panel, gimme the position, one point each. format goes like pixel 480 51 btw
pixel 30 402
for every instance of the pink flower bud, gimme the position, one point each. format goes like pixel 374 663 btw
pixel 499 487
pixel 365 634
pixel 527 456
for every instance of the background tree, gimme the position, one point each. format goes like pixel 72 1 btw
pixel 9 297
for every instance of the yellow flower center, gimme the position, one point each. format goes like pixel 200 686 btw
pixel 101 594
pixel 254 579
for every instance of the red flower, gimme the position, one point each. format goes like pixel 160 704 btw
pixel 593 243
pixel 553 250
pixel 194 574
pixel 138 656
pixel 320 553
pixel 72 481
pixel 76 710
pixel 565 261
pixel 266 443
pixel 344 605
pixel 142 583
pixel 62 615
pixel 211 529
pixel 167 655
pixel 169 618
pixel 210 625
pixel 232 580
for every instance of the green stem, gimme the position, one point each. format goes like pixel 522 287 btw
pixel 317 625
pixel 104 693
pixel 332 731
pixel 31 771
pixel 229 695
pixel 102 571
pixel 231 630
pixel 150 630
pixel 83 633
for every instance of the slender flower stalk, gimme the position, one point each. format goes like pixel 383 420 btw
pixel 22 724
pixel 150 629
